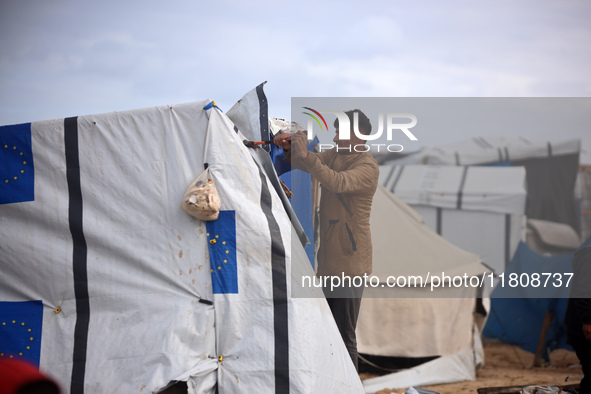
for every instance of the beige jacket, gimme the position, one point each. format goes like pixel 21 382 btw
pixel 349 182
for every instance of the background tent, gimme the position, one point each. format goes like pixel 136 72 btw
pixel 418 322
pixel 479 209
pixel 517 312
pixel 551 169
pixel 110 287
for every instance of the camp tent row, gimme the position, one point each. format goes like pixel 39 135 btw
pixel 551 169
pixel 124 292
pixel 436 182
pixel 110 287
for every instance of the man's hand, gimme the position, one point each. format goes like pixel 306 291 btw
pixel 283 140
pixel 299 142
pixel 587 331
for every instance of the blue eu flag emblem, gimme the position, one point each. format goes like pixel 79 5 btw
pixel 221 236
pixel 17 174
pixel 20 330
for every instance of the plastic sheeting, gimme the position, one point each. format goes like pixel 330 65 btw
pixel 517 313
pixel 124 275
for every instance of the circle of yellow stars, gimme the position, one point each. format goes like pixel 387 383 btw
pixel 213 241
pixel 20 354
pixel 22 170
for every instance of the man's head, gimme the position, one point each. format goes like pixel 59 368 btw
pixel 347 146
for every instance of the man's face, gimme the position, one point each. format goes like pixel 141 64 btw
pixel 341 143
pixel 346 144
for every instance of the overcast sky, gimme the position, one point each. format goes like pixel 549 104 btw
pixel 62 58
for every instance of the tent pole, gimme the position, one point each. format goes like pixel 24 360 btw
pixel 548 318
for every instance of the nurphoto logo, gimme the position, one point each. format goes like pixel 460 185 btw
pixel 392 120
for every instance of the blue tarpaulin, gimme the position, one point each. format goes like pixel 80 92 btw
pixel 517 313
pixel 300 183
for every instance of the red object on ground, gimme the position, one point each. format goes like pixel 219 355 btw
pixel 17 374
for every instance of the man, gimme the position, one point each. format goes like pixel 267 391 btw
pixel 578 313
pixel 349 178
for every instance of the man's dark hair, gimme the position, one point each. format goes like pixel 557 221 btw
pixel 364 123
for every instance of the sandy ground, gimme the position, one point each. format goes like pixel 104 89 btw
pixel 507 365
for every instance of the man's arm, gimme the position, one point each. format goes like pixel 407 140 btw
pixel 361 178
pixel 283 140
pixel 295 146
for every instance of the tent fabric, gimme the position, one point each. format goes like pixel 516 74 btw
pixel 479 209
pixel 250 114
pixel 418 322
pixel 404 245
pixel 554 235
pixel 449 369
pixel 415 327
pixel 517 313
pixel 551 169
pixel 551 189
pixel 493 149
pixel 245 114
pixel 124 276
pixel 488 189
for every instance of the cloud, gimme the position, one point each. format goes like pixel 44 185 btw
pixel 64 57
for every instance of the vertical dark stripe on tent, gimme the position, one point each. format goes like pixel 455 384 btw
pixel 457 158
pixel 438 224
pixel 549 149
pixel 263 115
pixel 397 179
pixel 500 154
pixel 389 175
pixel 481 142
pixel 460 191
pixel 507 239
pixel 507 154
pixel 79 254
pixel 279 280
pixel 486 144
pixel 279 274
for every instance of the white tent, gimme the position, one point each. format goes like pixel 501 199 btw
pixel 479 209
pixel 110 287
pixel 418 322
pixel 492 149
pixel 551 170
